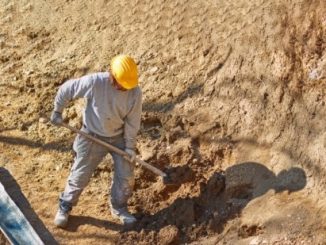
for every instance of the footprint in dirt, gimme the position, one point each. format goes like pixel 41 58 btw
pixel 221 198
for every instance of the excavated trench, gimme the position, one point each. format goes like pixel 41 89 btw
pixel 206 195
pixel 200 206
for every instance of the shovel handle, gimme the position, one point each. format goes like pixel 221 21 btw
pixel 116 150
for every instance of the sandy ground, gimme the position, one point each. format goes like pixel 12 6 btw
pixel 234 103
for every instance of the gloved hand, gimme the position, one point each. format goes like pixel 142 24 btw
pixel 56 118
pixel 131 153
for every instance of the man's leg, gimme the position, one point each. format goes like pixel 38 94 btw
pixel 88 156
pixel 122 186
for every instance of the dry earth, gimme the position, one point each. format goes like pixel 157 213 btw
pixel 234 101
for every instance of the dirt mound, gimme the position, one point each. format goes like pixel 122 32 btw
pixel 233 109
pixel 221 198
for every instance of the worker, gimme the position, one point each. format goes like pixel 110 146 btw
pixel 112 114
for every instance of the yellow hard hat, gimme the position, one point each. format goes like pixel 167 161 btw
pixel 124 70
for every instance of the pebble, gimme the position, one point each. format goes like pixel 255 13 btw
pixel 7 18
pixel 169 235
pixel 27 7
pixel 153 70
pixel 9 7
pixel 255 241
pixel 43 120
pixel 29 72
pixel 314 74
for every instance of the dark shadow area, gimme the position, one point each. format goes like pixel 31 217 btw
pixel 180 174
pixel 22 125
pixel 7 129
pixel 222 198
pixel 219 65
pixel 14 191
pixel 301 157
pixel 76 221
pixel 60 146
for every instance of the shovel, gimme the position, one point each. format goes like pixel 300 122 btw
pixel 165 177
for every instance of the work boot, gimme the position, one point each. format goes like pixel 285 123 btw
pixel 61 218
pixel 124 216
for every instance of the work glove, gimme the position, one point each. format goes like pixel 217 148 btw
pixel 56 118
pixel 132 154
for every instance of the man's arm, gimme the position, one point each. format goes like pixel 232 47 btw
pixel 73 89
pixel 132 123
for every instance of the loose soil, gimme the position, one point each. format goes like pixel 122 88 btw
pixel 233 107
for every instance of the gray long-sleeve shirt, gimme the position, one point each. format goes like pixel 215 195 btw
pixel 109 112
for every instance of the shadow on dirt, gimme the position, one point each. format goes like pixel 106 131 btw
pixel 221 198
pixel 76 221
pixel 14 191
pixel 57 145
pixel 180 174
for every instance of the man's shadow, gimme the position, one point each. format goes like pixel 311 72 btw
pixel 75 221
pixel 15 193
pixel 222 198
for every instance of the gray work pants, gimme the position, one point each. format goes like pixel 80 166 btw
pixel 88 156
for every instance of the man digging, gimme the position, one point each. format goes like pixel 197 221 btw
pixel 112 114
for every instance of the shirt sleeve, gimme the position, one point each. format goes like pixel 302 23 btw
pixel 73 89
pixel 132 122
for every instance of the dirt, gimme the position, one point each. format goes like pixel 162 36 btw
pixel 233 107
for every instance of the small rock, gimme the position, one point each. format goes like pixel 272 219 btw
pixel 153 70
pixel 169 235
pixel 7 19
pixel 43 120
pixel 28 7
pixel 314 74
pixel 29 72
pixel 147 154
pixel 255 241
